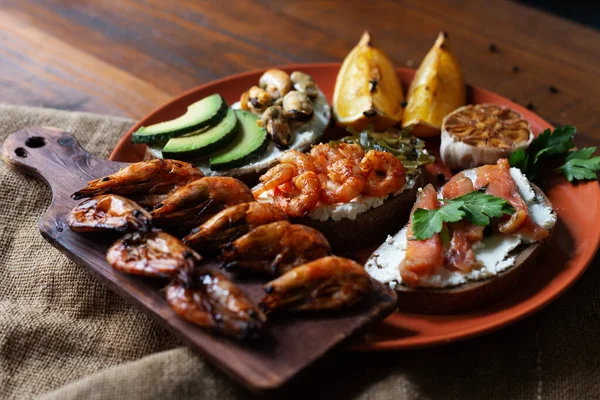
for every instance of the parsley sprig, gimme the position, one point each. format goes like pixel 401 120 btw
pixel 551 149
pixel 476 207
pixel 580 165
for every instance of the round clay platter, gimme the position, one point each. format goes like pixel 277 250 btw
pixel 573 246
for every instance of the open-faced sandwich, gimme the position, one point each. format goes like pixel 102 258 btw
pixel 467 243
pixel 355 190
pixel 284 111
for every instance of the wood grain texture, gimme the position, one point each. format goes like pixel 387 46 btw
pixel 52 73
pixel 127 57
pixel 289 344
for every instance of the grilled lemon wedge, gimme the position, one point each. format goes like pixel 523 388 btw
pixel 367 89
pixel 482 134
pixel 436 90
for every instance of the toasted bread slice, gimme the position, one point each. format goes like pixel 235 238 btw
pixel 370 227
pixel 472 294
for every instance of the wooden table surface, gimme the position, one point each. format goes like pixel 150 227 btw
pixel 126 57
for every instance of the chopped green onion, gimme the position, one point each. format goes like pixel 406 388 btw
pixel 405 147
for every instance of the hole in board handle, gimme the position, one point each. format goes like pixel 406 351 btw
pixel 21 152
pixel 35 141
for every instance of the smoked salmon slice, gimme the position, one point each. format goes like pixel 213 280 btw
pixel 422 257
pixel 457 186
pixel 499 183
pixel 459 254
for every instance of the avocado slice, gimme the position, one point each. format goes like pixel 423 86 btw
pixel 248 145
pixel 206 112
pixel 204 142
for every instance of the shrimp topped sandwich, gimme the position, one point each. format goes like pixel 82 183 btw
pixel 351 195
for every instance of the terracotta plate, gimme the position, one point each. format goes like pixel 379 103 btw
pixel 574 244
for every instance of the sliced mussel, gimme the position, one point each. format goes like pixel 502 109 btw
pixel 297 106
pixel 255 100
pixel 276 124
pixel 304 83
pixel 276 82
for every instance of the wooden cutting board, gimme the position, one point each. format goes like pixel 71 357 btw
pixel 289 345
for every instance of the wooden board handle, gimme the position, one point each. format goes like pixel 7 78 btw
pixel 54 156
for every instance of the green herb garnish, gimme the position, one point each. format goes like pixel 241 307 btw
pixel 580 165
pixel 554 151
pixel 476 207
pixel 405 147
pixel 427 223
pixel 480 207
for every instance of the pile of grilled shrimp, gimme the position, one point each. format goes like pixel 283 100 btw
pixel 157 202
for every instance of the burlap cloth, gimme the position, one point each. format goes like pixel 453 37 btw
pixel 64 335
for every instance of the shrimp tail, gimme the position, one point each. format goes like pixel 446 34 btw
pixel 86 192
pixel 259 189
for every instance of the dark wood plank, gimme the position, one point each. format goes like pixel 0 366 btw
pixel 289 344
pixel 173 46
pixel 40 70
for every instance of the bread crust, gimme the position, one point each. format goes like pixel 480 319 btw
pixel 473 294
pixel 370 227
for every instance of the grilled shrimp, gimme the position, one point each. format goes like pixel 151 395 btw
pixel 275 248
pixel 155 254
pixel 385 173
pixel 300 196
pixel 302 162
pixel 144 177
pixel 149 201
pixel 278 175
pixel 291 163
pixel 189 204
pixel 231 223
pixel 353 152
pixel 344 181
pixel 304 83
pixel 328 283
pixel 211 301
pixel 297 106
pixel 276 82
pixel 274 120
pixel 108 212
pixel 323 155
